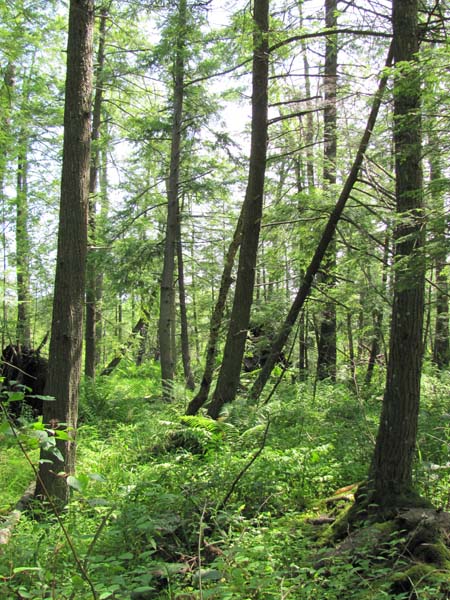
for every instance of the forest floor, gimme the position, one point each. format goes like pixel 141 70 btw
pixel 172 507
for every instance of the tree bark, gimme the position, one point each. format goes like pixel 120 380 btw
pixel 185 349
pixel 166 327
pixel 377 317
pixel 67 322
pixel 228 380
pixel 390 476
pixel 91 354
pixel 326 347
pixel 303 292
pixel 441 348
pixel 23 247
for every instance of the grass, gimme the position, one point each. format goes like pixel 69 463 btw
pixel 152 521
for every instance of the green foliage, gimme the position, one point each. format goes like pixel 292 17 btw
pixel 144 517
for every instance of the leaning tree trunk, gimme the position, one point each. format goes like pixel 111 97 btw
pixel 67 322
pixel 216 321
pixel 229 375
pixel 326 347
pixel 390 476
pixel 166 326
pixel 303 292
pixel 91 270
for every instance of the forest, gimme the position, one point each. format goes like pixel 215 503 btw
pixel 225 342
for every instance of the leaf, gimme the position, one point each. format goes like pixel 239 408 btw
pixel 79 483
pixel 5 427
pixel 25 569
pixel 96 477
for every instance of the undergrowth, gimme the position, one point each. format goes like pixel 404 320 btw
pixel 166 506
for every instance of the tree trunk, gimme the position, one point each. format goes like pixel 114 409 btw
pixel 91 271
pixel 166 328
pixel 216 321
pixel 6 141
pixel 390 477
pixel 185 349
pixel 282 337
pixel 326 347
pixel 228 380
pixel 23 247
pixel 377 316
pixel 441 348
pixel 67 322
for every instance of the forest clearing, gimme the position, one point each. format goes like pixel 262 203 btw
pixel 225 302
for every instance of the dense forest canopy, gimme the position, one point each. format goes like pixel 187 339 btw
pixel 225 248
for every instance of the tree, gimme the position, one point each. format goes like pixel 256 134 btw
pixel 92 313
pixel 390 478
pixel 166 327
pixel 229 374
pixel 326 346
pixel 307 281
pixel 67 322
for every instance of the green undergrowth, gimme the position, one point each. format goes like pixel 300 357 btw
pixel 170 507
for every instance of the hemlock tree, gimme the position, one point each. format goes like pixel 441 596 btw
pixel 326 346
pixel 229 375
pixel 390 483
pixel 166 326
pixel 92 279
pixel 67 323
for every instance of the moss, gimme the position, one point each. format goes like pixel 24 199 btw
pixel 416 574
pixel 437 554
pixel 337 530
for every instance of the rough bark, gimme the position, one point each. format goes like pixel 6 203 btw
pixel 23 247
pixel 377 316
pixel 303 292
pixel 67 322
pixel 185 349
pixel 166 326
pixel 91 272
pixel 441 347
pixel 390 476
pixel 326 348
pixel 228 379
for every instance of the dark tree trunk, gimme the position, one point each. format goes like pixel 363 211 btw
pixel 23 247
pixel 67 322
pixel 6 141
pixel 377 317
pixel 216 321
pixel 326 347
pixel 185 349
pixel 228 380
pixel 390 477
pixel 314 266
pixel 441 347
pixel 166 327
pixel 92 315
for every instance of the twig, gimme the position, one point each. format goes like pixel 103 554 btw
pixel 245 468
